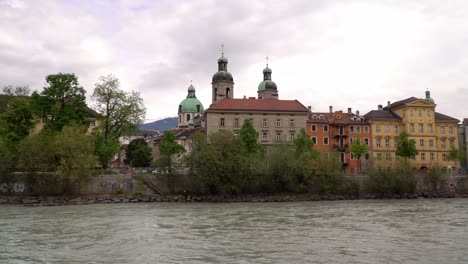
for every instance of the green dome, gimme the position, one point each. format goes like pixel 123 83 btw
pixel 267 85
pixel 191 88
pixel 222 59
pixel 267 70
pixel 430 100
pixel 189 105
pixel 223 76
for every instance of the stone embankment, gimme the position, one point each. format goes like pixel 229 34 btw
pixel 107 199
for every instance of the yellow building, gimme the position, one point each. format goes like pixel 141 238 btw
pixel 435 134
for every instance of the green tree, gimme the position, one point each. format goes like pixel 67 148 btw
pixel 168 148
pixel 406 147
pixel 61 103
pixel 121 113
pixel 75 153
pixel 17 120
pixel 16 91
pixel 6 162
pixel 249 137
pixel 358 148
pixel 138 153
pixel 455 155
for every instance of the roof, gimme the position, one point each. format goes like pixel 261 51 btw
pixel 346 118
pixel 465 120
pixel 401 102
pixel 189 105
pixel 442 117
pixel 252 104
pixel 179 133
pixel 382 114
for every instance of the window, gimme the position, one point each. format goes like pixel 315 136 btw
pixel 387 142
pixel 314 139
pixel 351 129
pixel 378 143
pixel 350 141
pixel 221 122
pixel 396 142
pixel 397 157
pixel 366 129
pixel 264 122
pixel 352 156
pixel 379 156
pixel 444 157
pixel 431 143
pixel 377 128
pixel 450 130
pixel 442 130
pixel 313 128
pixel 428 112
pixel 92 123
pixel 387 128
pixel 291 123
pixel 251 121
pixel 421 142
pixel 236 122
pixel 419 112
pixel 388 156
pixel 411 127
pixel 442 143
pixel 358 129
pixel 429 128
pixel 325 141
pixel 325 128
pixel 395 128
pixel 421 128
pixel 188 117
pixel 278 136
pixel 411 112
pixel 451 143
pixel 431 155
pixel 366 140
pixel 278 122
pixel 264 136
pixel 291 136
pixel 423 156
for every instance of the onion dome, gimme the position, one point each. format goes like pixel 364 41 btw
pixel 267 83
pixel 191 104
pixel 428 97
pixel 222 75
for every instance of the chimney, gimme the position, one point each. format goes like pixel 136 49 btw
pixel 349 110
pixel 245 97
pixel 331 109
pixel 357 112
pixel 379 107
pixel 388 103
pixel 310 108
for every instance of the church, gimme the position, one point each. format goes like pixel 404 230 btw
pixel 274 119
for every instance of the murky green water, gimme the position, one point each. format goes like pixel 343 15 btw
pixel 406 231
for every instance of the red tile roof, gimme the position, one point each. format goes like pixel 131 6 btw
pixel 269 104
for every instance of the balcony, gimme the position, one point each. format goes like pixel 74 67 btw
pixel 339 135
pixel 340 147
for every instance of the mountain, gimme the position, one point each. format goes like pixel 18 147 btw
pixel 161 125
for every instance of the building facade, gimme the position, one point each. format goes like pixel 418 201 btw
pixel 435 133
pixel 336 131
pixel 463 144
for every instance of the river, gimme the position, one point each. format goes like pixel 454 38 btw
pixel 365 231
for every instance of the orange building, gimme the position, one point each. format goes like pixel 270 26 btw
pixel 335 131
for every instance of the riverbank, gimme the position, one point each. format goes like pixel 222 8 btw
pixel 122 198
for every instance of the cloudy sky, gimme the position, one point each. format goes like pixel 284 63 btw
pixel 354 54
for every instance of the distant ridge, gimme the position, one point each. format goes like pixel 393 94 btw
pixel 161 125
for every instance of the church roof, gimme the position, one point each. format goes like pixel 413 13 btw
pixel 252 104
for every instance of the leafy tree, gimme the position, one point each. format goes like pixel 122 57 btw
pixel 406 147
pixel 358 148
pixel 138 153
pixel 121 113
pixel 61 103
pixel 6 162
pixel 285 170
pixel 168 147
pixel 249 137
pixel 16 91
pixel 455 155
pixel 17 120
pixel 75 152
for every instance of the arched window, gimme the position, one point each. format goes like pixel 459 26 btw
pixel 188 117
pixel 180 118
pixel 228 92
pixel 180 108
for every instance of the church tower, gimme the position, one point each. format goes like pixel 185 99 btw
pixel 190 109
pixel 267 88
pixel 222 83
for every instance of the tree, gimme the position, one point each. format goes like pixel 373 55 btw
pixel 168 147
pixel 249 137
pixel 138 153
pixel 455 155
pixel 121 113
pixel 358 148
pixel 75 153
pixel 16 91
pixel 406 147
pixel 61 103
pixel 6 162
pixel 17 120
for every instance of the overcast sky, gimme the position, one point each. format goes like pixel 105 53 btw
pixel 354 54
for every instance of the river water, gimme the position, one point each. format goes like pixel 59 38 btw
pixel 367 231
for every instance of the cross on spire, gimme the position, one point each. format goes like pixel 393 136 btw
pixel 222 49
pixel 266 60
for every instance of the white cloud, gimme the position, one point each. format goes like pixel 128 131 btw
pixel 348 54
